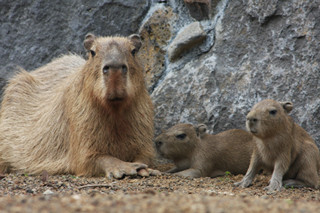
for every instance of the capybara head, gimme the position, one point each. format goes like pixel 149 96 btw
pixel 179 141
pixel 114 72
pixel 268 118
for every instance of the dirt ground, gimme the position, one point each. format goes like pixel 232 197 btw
pixel 165 193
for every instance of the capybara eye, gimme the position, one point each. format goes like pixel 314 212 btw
pixel 133 52
pixel 105 69
pixel 273 112
pixel 124 68
pixel 93 53
pixel 181 136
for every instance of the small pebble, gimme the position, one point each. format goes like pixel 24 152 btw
pixel 48 192
pixel 29 191
pixel 76 197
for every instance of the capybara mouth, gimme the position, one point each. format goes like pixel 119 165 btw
pixel 115 100
pixel 253 131
pixel 161 154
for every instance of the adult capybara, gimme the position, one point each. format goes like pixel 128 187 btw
pixel 281 146
pixel 80 117
pixel 199 154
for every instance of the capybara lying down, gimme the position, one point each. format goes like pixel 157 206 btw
pixel 199 154
pixel 281 146
pixel 83 117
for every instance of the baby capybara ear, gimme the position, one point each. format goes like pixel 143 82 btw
pixel 88 43
pixel 136 41
pixel 201 129
pixel 287 106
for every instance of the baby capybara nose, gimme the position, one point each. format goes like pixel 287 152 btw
pixel 252 120
pixel 158 144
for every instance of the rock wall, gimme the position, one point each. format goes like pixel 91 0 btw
pixel 209 68
pixel 261 49
pixel 33 32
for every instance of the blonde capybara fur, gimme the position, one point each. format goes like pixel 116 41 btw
pixel 281 146
pixel 83 117
pixel 199 154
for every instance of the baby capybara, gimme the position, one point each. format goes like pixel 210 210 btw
pixel 281 146
pixel 199 154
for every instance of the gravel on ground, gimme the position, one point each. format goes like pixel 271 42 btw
pixel 165 193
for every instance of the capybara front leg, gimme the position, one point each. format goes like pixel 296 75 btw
pixel 280 169
pixel 115 168
pixel 252 171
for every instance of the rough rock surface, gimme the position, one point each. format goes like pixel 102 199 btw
pixel 199 9
pixel 155 34
pixel 188 37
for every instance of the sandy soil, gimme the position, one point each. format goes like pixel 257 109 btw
pixel 165 193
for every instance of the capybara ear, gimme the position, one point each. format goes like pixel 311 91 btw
pixel 136 41
pixel 88 43
pixel 200 129
pixel 287 106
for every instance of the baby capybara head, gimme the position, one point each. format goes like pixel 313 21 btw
pixel 268 118
pixel 114 72
pixel 179 141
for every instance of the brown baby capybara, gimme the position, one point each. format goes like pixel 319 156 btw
pixel 199 154
pixel 281 146
pixel 80 117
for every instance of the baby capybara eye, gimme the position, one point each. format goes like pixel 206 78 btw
pixel 181 136
pixel 273 112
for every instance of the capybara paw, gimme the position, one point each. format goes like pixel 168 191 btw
pixel 237 183
pixel 148 172
pixel 143 173
pixel 182 174
pixel 243 184
pixel 126 169
pixel 273 187
pixel 154 172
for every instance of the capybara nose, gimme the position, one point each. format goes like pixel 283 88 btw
pixel 124 69
pixel 252 120
pixel 158 144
